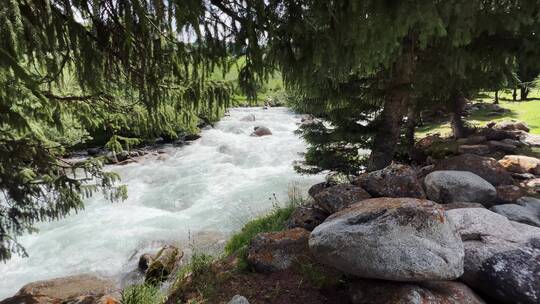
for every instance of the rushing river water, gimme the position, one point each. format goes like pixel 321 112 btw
pixel 193 196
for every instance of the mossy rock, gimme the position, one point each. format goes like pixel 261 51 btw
pixel 163 264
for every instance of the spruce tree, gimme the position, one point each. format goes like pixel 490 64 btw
pixel 131 68
pixel 319 45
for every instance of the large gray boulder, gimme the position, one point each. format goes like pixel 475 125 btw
pixel 434 292
pixel 333 199
pixel 459 186
pixel 400 239
pixel 502 257
pixel 526 211
pixel 530 203
pixel 486 167
pixel 395 180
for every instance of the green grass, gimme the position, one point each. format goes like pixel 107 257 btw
pixel 274 221
pixel 271 90
pixel 203 279
pixel 142 294
pixel 196 277
pixel 320 276
pixel 527 111
pixel 198 264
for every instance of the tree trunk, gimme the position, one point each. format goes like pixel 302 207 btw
pixel 457 107
pixel 410 127
pixel 496 97
pixel 395 106
pixel 524 92
pixel 387 135
pixel 514 94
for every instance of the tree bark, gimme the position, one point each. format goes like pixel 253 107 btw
pixel 514 94
pixel 410 127
pixel 395 106
pixel 524 93
pixel 458 106
pixel 496 101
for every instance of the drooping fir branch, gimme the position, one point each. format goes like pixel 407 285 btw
pixel 73 68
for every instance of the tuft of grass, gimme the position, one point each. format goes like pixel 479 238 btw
pixel 142 294
pixel 201 278
pixel 319 276
pixel 238 244
pixel 199 264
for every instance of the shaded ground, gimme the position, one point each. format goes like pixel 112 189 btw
pixel 222 280
pixel 277 288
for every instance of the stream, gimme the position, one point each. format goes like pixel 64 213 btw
pixel 193 196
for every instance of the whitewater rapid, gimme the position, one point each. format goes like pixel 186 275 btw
pixel 193 196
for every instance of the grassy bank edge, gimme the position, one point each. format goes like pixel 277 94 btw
pixel 199 263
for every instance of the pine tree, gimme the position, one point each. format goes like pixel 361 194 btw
pixel 319 45
pixel 527 65
pixel 133 69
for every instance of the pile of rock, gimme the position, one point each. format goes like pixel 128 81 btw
pixel 506 142
pixel 424 235
pixel 496 140
pixel 497 137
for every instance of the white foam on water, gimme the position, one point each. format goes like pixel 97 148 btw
pixel 206 190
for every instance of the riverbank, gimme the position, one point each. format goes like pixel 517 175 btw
pixel 191 196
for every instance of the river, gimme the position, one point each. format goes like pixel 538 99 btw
pixel 193 196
